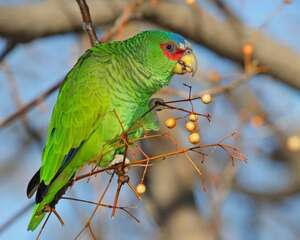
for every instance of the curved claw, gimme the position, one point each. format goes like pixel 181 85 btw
pixel 157 104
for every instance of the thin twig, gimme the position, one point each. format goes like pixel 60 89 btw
pixel 230 150
pixel 58 216
pixel 96 208
pixel 15 217
pixel 12 82
pixel 91 231
pixel 9 47
pixel 27 107
pixel 221 5
pixel 207 115
pixel 43 226
pixel 125 209
pixel 87 23
pixel 126 15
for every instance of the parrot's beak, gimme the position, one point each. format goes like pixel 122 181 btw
pixel 187 63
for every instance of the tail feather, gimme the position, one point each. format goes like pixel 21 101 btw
pixel 49 195
pixel 32 187
pixel 38 212
pixel 33 184
pixel 37 217
pixel 41 191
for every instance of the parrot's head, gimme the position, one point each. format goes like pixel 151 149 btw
pixel 168 53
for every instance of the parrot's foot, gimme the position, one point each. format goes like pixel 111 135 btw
pixel 51 209
pixel 157 104
pixel 119 159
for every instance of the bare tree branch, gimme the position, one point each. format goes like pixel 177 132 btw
pixel 225 9
pixel 127 13
pixel 53 17
pixel 18 102
pixel 9 46
pixel 275 196
pixel 25 108
pixel 15 217
pixel 198 25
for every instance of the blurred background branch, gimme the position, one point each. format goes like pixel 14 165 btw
pixel 197 24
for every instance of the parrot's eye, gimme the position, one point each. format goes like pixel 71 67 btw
pixel 170 47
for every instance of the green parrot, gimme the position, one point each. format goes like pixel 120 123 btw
pixel 110 83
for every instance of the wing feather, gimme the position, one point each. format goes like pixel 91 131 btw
pixel 81 103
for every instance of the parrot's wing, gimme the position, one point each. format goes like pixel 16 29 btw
pixel 81 103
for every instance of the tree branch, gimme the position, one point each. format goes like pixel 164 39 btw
pixel 9 47
pixel 87 21
pixel 275 196
pixel 31 21
pixel 25 108
pixel 53 17
pixel 15 217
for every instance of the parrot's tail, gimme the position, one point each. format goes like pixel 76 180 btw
pixel 39 211
pixel 36 218
pixel 32 187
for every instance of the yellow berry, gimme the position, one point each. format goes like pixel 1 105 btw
pixel 257 120
pixel 193 117
pixel 141 188
pixel 190 126
pixel 194 138
pixel 170 123
pixel 293 143
pixel 248 49
pixel 214 76
pixel 206 98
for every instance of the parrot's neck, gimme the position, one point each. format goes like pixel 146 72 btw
pixel 134 82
